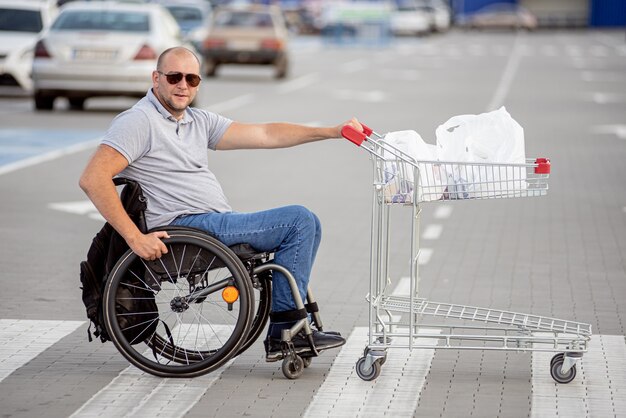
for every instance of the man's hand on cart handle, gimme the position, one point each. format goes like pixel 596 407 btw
pixel 356 133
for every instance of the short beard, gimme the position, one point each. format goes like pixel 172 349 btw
pixel 172 106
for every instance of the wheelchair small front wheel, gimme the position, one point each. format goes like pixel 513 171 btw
pixel 293 366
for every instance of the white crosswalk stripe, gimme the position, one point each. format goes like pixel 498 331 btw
pixel 343 393
pixel 21 340
pixel 599 389
pixel 134 393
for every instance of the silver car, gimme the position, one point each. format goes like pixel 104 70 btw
pixel 20 24
pixel 101 49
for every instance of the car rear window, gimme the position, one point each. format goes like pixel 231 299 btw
pixel 116 21
pixel 19 20
pixel 244 19
pixel 185 14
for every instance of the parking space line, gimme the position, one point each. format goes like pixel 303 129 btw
pixel 403 287
pixel 507 76
pixel 424 256
pixel 373 96
pixel 354 66
pixel 231 104
pixel 608 98
pixel 432 231
pixel 443 211
pixel 603 76
pixel 21 340
pixel 298 83
pixel 617 130
pixel 49 156
pixel 81 208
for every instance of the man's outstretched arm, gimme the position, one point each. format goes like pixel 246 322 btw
pixel 277 135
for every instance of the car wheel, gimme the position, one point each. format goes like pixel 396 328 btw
pixel 209 67
pixel 282 67
pixel 43 101
pixel 77 103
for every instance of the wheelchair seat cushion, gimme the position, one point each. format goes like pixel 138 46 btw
pixel 246 252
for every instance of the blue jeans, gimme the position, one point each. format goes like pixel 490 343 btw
pixel 293 233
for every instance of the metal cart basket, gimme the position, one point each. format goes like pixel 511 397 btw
pixel 398 321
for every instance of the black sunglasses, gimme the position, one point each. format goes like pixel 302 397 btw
pixel 174 78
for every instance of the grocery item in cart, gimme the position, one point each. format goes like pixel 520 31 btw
pixel 492 137
pixel 399 175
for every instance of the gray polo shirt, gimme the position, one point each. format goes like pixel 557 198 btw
pixel 169 158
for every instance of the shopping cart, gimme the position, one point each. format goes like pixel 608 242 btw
pixel 399 321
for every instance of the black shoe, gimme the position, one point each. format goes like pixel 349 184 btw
pixel 322 341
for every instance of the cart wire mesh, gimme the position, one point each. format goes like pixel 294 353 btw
pixel 398 173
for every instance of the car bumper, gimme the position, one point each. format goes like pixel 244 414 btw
pixel 225 56
pixel 402 28
pixel 91 82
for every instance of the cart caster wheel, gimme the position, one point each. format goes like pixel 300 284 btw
pixel 293 366
pixel 557 375
pixel 556 358
pixel 370 374
pixel 307 361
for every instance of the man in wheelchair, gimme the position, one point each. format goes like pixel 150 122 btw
pixel 162 143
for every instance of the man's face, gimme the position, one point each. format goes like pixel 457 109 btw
pixel 176 97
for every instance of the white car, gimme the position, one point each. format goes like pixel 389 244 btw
pixel 101 49
pixel 21 21
pixel 440 14
pixel 410 19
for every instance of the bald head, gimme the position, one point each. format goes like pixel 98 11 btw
pixel 173 53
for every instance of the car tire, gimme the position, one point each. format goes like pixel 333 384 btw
pixel 43 101
pixel 209 67
pixel 77 103
pixel 282 68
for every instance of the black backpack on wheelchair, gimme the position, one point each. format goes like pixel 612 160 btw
pixel 106 248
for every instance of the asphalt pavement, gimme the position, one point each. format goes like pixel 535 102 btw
pixel 562 255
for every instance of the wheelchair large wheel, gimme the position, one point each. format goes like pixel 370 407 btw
pixel 184 314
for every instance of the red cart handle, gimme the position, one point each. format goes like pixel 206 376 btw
pixel 354 136
pixel 543 166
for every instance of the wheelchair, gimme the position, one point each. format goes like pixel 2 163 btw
pixel 198 306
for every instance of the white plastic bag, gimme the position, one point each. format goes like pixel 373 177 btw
pixel 399 177
pixel 492 137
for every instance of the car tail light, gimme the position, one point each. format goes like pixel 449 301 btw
pixel 146 53
pixel 272 44
pixel 41 51
pixel 214 43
